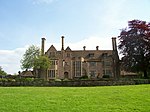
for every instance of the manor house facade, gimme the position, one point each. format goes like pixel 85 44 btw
pixel 72 64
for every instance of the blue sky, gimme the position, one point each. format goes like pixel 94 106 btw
pixel 82 22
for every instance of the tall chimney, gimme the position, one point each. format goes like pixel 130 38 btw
pixel 62 40
pixel 84 48
pixel 116 61
pixel 114 45
pixel 42 47
pixel 97 47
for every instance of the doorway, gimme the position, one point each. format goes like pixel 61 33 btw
pixel 66 75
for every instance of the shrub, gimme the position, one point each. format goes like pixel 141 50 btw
pixel 106 76
pixel 3 80
pixel 29 79
pixel 57 79
pixel 84 77
pixel 11 80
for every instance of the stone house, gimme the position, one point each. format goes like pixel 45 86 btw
pixel 74 64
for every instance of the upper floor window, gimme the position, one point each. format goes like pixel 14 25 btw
pixel 107 63
pixel 92 63
pixel 78 65
pixel 91 55
pixel 52 54
pixel 53 62
pixel 68 54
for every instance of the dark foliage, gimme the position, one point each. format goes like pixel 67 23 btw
pixel 84 77
pixel 135 47
pixel 2 72
pixel 106 76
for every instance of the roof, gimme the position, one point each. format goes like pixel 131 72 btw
pixel 87 54
pixel 27 74
pixel 68 49
pixel 52 48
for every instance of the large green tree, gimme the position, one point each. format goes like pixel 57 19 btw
pixel 31 54
pixel 33 60
pixel 135 47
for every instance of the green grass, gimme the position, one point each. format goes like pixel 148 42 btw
pixel 75 99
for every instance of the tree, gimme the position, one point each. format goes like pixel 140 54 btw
pixel 135 47
pixel 42 62
pixel 31 54
pixel 33 60
pixel 2 72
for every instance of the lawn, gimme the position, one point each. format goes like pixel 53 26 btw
pixel 135 98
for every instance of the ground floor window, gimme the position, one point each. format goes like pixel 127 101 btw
pixel 77 68
pixel 92 73
pixel 107 72
pixel 51 73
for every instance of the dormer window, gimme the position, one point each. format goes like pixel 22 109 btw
pixel 52 54
pixel 91 55
pixel 105 55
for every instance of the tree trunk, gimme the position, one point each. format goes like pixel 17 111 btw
pixel 145 74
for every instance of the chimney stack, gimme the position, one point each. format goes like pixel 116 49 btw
pixel 114 45
pixel 97 47
pixel 42 47
pixel 84 48
pixel 62 40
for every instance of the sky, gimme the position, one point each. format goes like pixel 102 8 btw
pixel 87 23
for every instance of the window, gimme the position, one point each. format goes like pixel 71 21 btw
pixel 78 65
pixel 92 63
pixel 53 62
pixel 107 72
pixel 68 54
pixel 52 54
pixel 51 73
pixel 92 73
pixel 91 55
pixel 78 68
pixel 105 55
pixel 107 63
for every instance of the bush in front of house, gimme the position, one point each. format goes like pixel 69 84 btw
pixel 106 76
pixel 84 77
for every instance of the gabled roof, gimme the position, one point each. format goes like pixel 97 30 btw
pixel 52 48
pixel 68 49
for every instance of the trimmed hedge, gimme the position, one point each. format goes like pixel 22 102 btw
pixel 41 82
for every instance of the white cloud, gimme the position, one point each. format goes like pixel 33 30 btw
pixel 43 1
pixel 10 59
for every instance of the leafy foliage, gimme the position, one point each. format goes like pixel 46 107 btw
pixel 42 62
pixel 33 60
pixel 2 72
pixel 29 57
pixel 135 46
